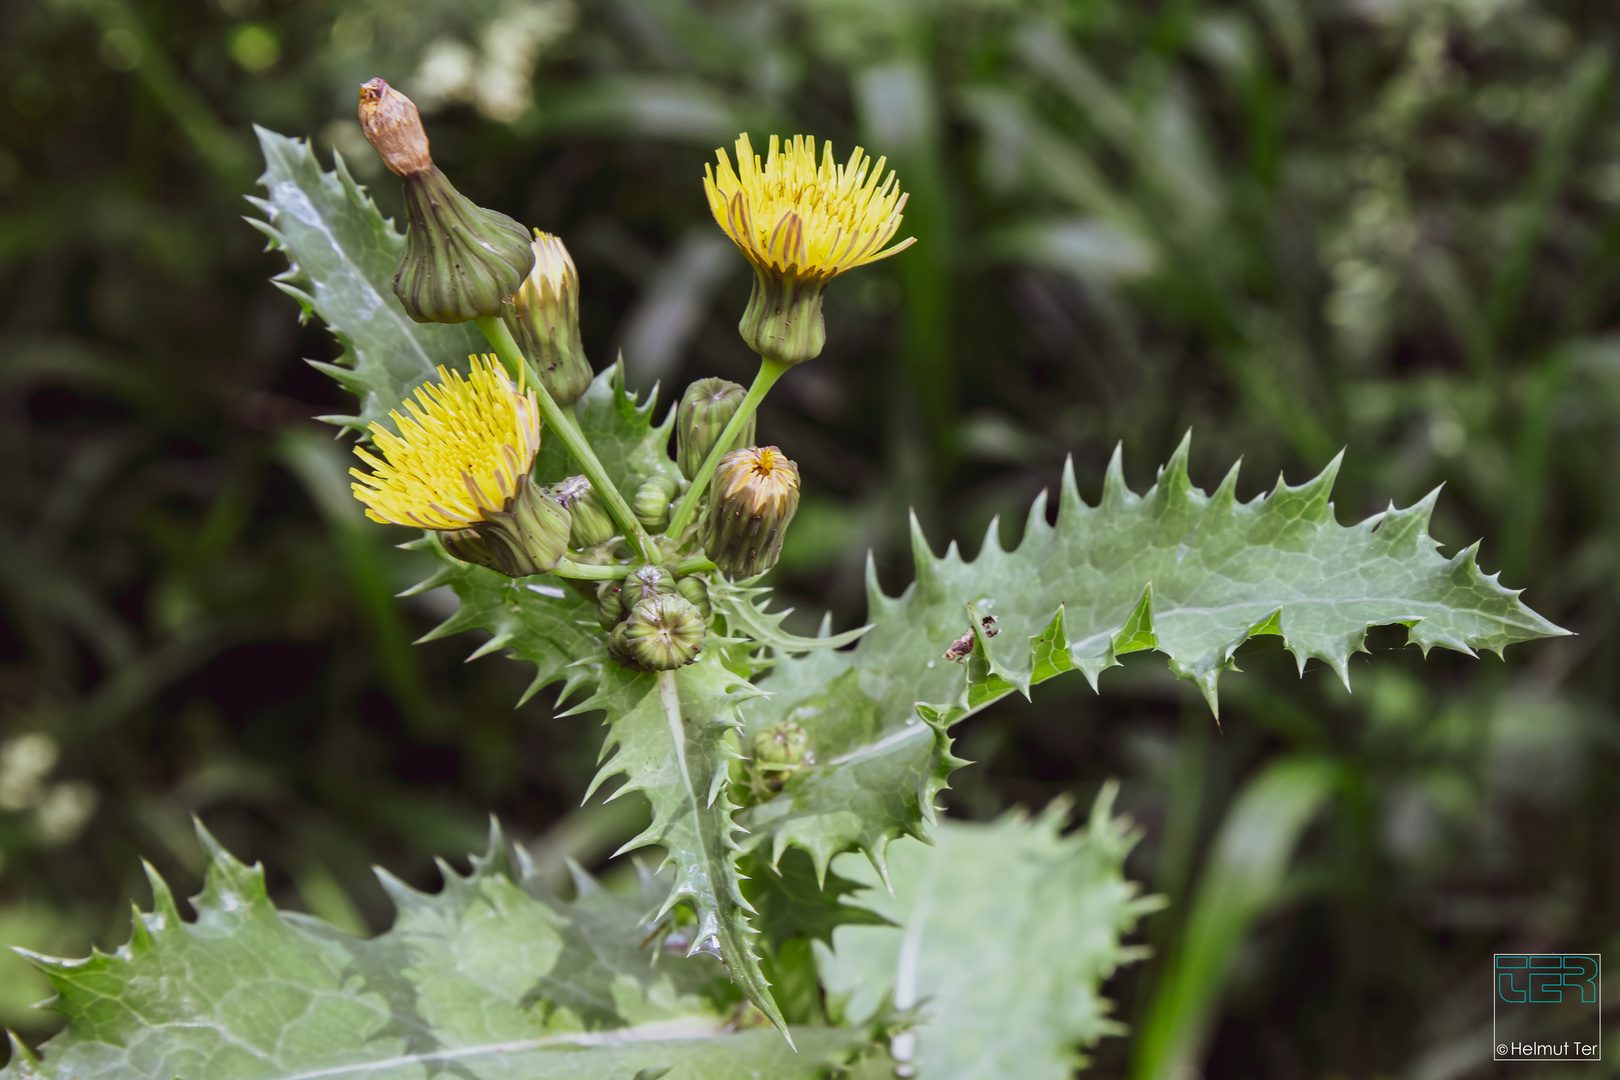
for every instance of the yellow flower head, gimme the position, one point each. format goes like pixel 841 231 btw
pixel 791 215
pixel 461 454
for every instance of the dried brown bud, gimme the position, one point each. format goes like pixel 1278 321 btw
pixel 393 126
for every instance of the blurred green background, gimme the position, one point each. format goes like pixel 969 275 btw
pixel 1293 226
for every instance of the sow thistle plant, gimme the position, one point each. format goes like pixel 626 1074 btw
pixel 791 779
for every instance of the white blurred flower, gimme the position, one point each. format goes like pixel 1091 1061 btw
pixel 445 75
pixel 63 812
pixel 496 77
pixel 25 761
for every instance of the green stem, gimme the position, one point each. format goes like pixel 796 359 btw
pixel 681 516
pixel 561 423
pixel 567 568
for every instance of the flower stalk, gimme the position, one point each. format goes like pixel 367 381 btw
pixel 687 508
pixel 500 339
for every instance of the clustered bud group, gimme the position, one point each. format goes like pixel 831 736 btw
pixel 654 622
pixel 460 463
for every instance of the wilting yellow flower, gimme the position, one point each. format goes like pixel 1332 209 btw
pixel 463 453
pixel 791 216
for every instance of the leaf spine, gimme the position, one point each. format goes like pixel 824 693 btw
pixel 1115 494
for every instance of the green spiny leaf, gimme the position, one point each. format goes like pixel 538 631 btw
pixel 1189 574
pixel 794 903
pixel 342 256
pixel 874 775
pixel 744 609
pixel 668 734
pixel 541 619
pixel 493 977
pixel 1005 989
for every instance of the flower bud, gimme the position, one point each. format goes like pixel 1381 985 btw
pixel 706 407
pixel 780 746
pixel 660 634
pixel 644 583
pixel 754 496
pixel 544 318
pixel 527 537
pixel 651 503
pixel 696 591
pixel 460 261
pixel 592 525
pixel 610 609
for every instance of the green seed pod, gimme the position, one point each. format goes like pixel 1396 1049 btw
pixel 696 591
pixel 646 582
pixel 754 496
pixel 527 537
pixel 460 261
pixel 706 407
pixel 610 609
pixel 592 525
pixel 544 318
pixel 651 503
pixel 781 746
pixel 660 634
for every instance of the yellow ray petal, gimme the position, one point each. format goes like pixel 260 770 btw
pixel 789 214
pixel 460 454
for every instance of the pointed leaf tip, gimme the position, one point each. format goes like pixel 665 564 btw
pixel 1116 495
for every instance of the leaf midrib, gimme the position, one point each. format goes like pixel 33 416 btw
pixel 685 1028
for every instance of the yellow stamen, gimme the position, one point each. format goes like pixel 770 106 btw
pixel 788 215
pixel 461 454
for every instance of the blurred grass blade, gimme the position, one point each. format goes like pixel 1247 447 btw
pixel 320 464
pixel 151 64
pixel 1243 878
pixel 1581 94
pixel 671 309
pixel 897 112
